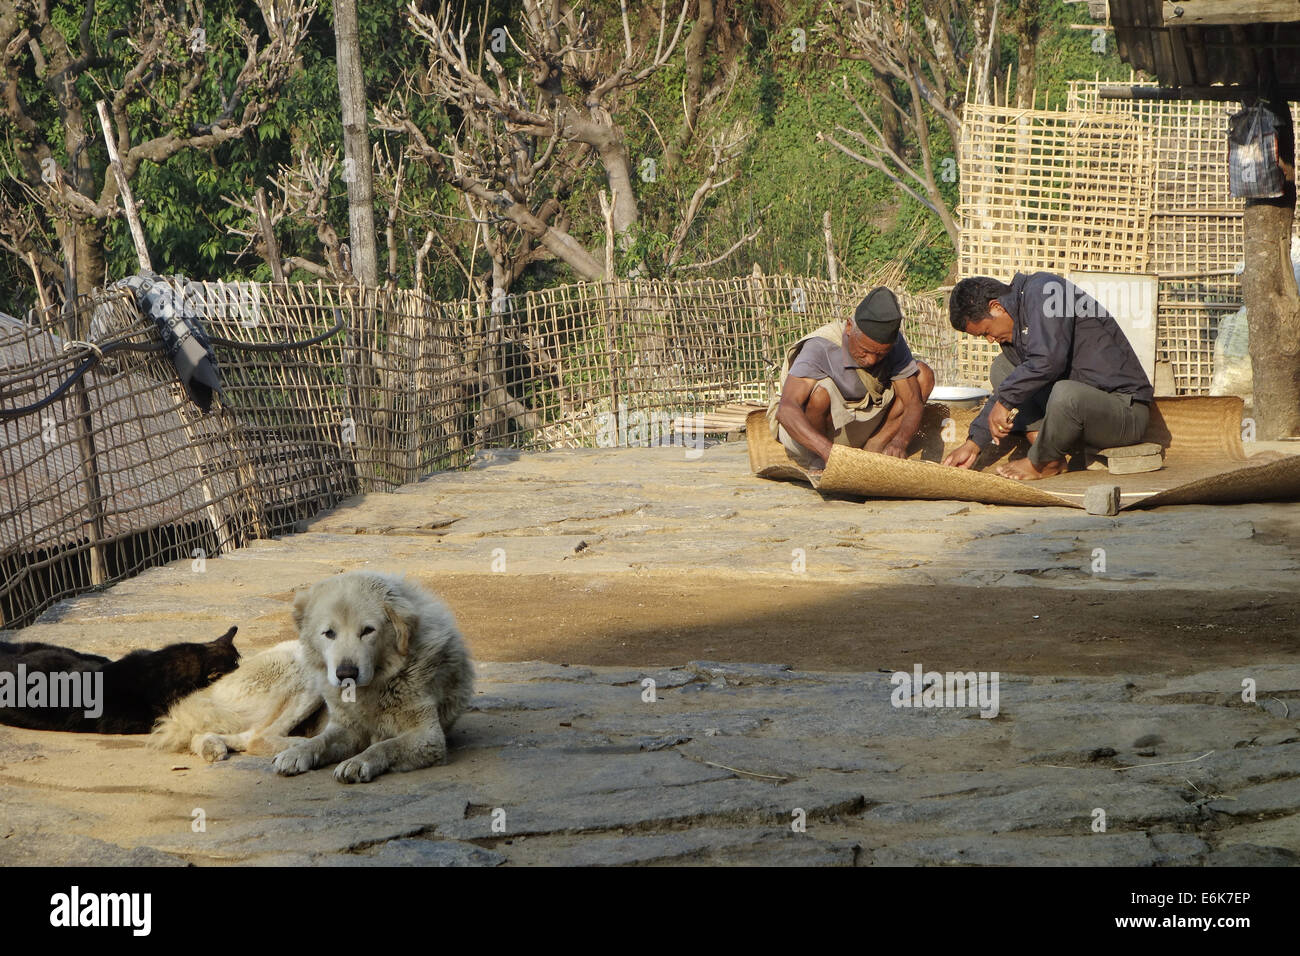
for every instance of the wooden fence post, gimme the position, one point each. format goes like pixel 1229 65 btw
pixel 83 423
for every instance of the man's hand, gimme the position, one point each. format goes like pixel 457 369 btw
pixel 963 456
pixel 795 393
pixel 908 392
pixel 895 449
pixel 1000 422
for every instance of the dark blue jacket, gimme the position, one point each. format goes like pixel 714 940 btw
pixel 1061 332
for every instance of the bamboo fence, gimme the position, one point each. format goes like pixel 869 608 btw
pixel 122 472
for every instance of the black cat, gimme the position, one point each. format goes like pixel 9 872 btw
pixel 106 697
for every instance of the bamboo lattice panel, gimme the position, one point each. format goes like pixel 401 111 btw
pixel 1197 238
pixel 1050 190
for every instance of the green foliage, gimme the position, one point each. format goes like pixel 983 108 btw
pixel 779 98
pixel 1065 54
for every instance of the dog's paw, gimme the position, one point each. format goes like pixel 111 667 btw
pixel 294 761
pixel 357 770
pixel 212 748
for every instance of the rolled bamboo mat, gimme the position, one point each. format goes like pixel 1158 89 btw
pixel 1205 463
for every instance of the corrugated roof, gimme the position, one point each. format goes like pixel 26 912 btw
pixel 1199 55
pixel 148 476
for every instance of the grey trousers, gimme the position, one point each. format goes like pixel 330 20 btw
pixel 1070 416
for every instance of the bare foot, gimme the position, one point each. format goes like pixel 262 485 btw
pixel 1022 469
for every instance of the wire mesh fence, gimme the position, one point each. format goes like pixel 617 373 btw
pixel 119 471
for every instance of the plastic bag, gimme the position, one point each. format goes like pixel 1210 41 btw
pixel 1253 168
pixel 1232 369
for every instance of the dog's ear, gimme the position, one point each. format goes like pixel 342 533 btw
pixel 299 607
pixel 404 619
pixel 227 638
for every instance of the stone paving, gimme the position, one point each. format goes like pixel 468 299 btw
pixel 741 763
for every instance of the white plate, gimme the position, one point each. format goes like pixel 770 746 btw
pixel 958 393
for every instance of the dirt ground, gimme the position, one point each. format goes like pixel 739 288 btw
pixel 637 562
pixel 819 625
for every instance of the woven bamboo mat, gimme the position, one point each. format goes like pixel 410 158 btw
pixel 1205 463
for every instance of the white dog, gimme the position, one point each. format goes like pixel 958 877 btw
pixel 383 655
pixel 256 709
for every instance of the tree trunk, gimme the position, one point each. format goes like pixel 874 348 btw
pixel 614 158
pixel 1027 29
pixel 987 52
pixel 890 122
pixel 1272 300
pixel 357 171
pixel 90 255
pixel 695 55
pixel 502 275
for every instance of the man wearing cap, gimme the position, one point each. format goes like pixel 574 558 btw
pixel 851 384
pixel 1066 370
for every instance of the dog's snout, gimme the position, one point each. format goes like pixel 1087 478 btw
pixel 347 670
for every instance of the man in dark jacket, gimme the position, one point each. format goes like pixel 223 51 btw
pixel 1066 369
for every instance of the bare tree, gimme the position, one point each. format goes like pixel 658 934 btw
pixel 392 180
pixel 696 94
pixel 507 179
pixel 22 233
pixel 920 65
pixel 920 182
pixel 523 140
pixel 301 196
pixel 724 151
pixel 71 192
pixel 565 59
pixel 302 193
